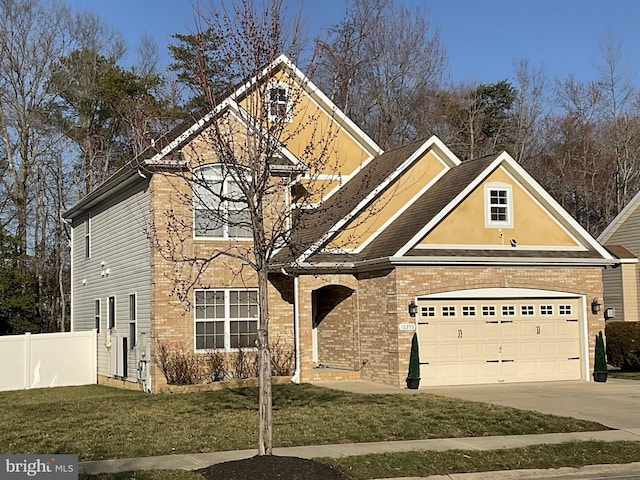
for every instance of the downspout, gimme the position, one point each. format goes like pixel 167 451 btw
pixel 296 331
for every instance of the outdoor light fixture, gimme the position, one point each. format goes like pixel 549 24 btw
pixel 413 309
pixel 595 306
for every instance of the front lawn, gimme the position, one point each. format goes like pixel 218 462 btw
pixel 98 422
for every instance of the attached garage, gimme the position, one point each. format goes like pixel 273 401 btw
pixel 501 335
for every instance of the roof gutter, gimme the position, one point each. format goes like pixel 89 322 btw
pixel 482 261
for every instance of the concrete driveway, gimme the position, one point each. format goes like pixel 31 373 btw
pixel 615 403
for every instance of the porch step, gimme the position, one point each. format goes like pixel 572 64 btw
pixel 328 374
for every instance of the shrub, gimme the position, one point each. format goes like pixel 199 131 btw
pixel 414 359
pixel 216 366
pixel 601 361
pixel 178 366
pixel 245 363
pixel 282 358
pixel 623 345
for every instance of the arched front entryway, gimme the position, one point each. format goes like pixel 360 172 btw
pixel 334 327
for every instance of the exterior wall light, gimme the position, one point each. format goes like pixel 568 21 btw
pixel 595 306
pixel 413 309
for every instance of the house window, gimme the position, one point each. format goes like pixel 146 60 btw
pixel 226 319
pixel 499 205
pixel 428 311
pixel 96 310
pixel 133 315
pixel 546 309
pixel 468 311
pixel 111 312
pixel 87 237
pixel 278 102
pixel 219 208
pixel 508 310
pixel 488 311
pixel 526 310
pixel 448 311
pixel 564 309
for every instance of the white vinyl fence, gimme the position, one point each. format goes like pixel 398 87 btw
pixel 47 360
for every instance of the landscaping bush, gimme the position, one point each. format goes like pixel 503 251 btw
pixel 282 358
pixel 623 345
pixel 178 366
pixel 244 363
pixel 181 367
pixel 216 365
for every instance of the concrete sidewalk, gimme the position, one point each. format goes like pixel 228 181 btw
pixel 200 460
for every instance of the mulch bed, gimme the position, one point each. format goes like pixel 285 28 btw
pixel 268 467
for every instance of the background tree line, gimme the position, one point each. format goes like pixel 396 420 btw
pixel 71 113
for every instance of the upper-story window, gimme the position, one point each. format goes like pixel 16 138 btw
pixel 219 208
pixel 278 102
pixel 87 237
pixel 498 205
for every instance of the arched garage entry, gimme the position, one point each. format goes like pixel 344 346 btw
pixel 334 317
pixel 498 335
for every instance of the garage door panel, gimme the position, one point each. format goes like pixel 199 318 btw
pixel 533 341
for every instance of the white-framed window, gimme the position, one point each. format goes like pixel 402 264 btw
pixel 133 319
pixel 468 311
pixel 111 311
pixel 564 309
pixel 278 102
pixel 508 310
pixel 87 237
pixel 526 310
pixel 97 314
pixel 428 311
pixel 448 311
pixel 218 205
pixel 488 311
pixel 546 310
pixel 226 319
pixel 498 205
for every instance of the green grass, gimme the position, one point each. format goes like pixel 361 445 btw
pixel 98 422
pixel 406 464
pixel 624 375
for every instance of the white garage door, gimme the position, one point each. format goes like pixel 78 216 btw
pixel 498 340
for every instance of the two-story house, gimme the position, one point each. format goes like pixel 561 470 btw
pixel 499 282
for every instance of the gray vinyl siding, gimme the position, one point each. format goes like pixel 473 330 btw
pixel 612 283
pixel 628 236
pixel 119 265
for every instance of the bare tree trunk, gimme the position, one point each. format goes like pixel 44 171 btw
pixel 265 406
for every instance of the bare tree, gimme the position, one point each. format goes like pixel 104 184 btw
pixel 528 111
pixel 382 65
pixel 33 36
pixel 230 170
pixel 621 128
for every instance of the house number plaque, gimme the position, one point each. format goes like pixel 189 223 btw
pixel 407 326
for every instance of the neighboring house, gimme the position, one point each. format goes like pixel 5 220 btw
pixel 495 277
pixel 622 238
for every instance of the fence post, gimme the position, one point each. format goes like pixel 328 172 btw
pixel 27 360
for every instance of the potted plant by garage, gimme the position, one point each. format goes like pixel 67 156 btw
pixel 413 377
pixel 600 368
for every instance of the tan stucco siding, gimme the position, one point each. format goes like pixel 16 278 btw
pixel 313 132
pixel 392 201
pixel 532 224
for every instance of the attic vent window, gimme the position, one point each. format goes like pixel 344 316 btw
pixel 279 102
pixel 498 206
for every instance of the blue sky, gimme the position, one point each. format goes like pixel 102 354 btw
pixel 483 38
